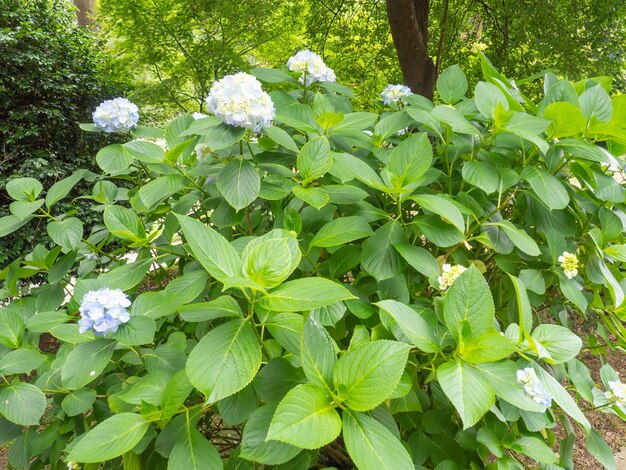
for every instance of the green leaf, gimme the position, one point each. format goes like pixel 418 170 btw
pixel 127 276
pixel 420 259
pixel 442 207
pixel 62 188
pixel 571 289
pixel 23 189
pixel 225 360
pixel 533 280
pixel 270 259
pixel 567 119
pixel 454 119
pixel 143 151
pixel 305 418
pixel 140 329
pixel 11 328
pixel 348 167
pixel 11 223
pixel 379 258
pixel 78 401
pixel 467 389
pixel 548 188
pixel 596 103
pixel 600 449
pixel 410 160
pixel 416 328
pixel 561 344
pixel 469 301
pixel 174 395
pixel 452 84
pixel 220 136
pixel 490 346
pixel 109 439
pixel 523 305
pixel 256 447
pixel 159 189
pixel 482 175
pixel 193 451
pixel 21 361
pixel 536 449
pixel 314 159
pixel 68 233
pixel 22 403
pixel 124 223
pixel 272 76
pixel 561 396
pixel 340 231
pixel 519 237
pixel 371 373
pixel 502 377
pixel 113 159
pixel 222 307
pixel 487 97
pixel 23 209
pixel 304 294
pixel 371 445
pixel 281 137
pixel 287 330
pixel 317 353
pixel 86 362
pixel 211 249
pixel 239 182
pixel 314 196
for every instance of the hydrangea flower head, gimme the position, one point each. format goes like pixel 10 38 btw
pixel 103 311
pixel 202 151
pixel 311 66
pixel 395 93
pixel 238 100
pixel 569 263
pixel 618 392
pixel 533 387
pixel 449 273
pixel 117 115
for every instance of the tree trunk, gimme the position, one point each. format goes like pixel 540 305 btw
pixel 85 10
pixel 409 28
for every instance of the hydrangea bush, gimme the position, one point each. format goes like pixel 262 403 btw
pixel 291 284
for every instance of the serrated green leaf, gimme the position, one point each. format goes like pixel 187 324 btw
pixel 225 360
pixel 193 451
pixel 304 294
pixel 416 328
pixel 317 353
pixel 341 230
pixel 86 362
pixel 239 182
pixel 305 418
pixel 22 403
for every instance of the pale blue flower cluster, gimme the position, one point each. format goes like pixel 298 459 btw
pixel 311 66
pixel 103 311
pixel 117 115
pixel 238 100
pixel 533 387
pixel 395 93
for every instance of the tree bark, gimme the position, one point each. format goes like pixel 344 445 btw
pixel 409 28
pixel 85 10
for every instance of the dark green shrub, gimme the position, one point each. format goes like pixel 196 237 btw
pixel 53 75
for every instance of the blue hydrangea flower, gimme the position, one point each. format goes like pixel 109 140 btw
pixel 533 387
pixel 395 93
pixel 117 115
pixel 103 311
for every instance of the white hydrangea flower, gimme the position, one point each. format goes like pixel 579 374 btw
pixel 238 100
pixel 618 392
pixel 158 141
pixel 533 387
pixel 402 132
pixel 569 263
pixel 117 115
pixel 202 151
pixel 199 115
pixel 449 274
pixel 103 311
pixel 395 93
pixel 312 68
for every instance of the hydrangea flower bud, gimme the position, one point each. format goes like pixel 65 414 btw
pixel 238 100
pixel 569 263
pixel 395 93
pixel 449 274
pixel 117 115
pixel 533 387
pixel 103 311
pixel 312 68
